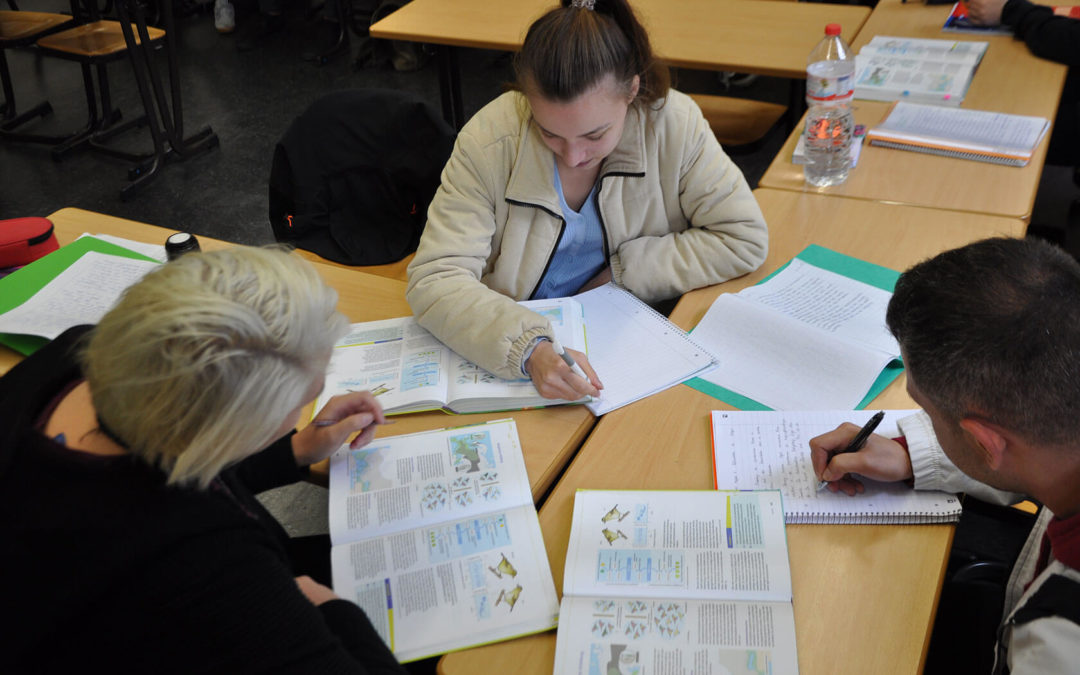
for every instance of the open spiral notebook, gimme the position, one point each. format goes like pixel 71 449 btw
pixel 771 450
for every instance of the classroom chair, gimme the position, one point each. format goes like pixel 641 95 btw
pixel 741 125
pixel 22 29
pixel 94 45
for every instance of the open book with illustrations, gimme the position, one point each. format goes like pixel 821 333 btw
pixel 436 537
pixel 911 69
pixel 409 370
pixel 668 577
pixel 771 450
pixel 811 336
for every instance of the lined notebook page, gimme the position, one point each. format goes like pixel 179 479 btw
pixel 635 351
pixel 771 450
pixel 963 129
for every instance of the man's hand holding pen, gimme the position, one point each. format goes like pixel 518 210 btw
pixel 879 458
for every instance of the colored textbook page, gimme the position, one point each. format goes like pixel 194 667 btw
pixel 811 336
pixel 74 285
pixel 408 369
pixel 890 68
pixel 698 578
pixel 436 538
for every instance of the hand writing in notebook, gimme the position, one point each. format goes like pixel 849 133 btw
pixel 555 378
pixel 880 458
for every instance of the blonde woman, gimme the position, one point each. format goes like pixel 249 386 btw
pixel 130 453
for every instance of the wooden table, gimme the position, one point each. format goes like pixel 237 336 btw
pixel 864 595
pixel 1009 79
pixel 549 436
pixel 746 36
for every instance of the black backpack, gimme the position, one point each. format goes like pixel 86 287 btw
pixel 353 175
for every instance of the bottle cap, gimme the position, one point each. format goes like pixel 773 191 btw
pixel 180 243
pixel 832 29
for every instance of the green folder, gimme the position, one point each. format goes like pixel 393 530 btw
pixel 22 284
pixel 853 268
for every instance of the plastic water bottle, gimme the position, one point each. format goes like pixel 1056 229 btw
pixel 830 82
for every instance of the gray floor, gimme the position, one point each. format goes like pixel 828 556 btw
pixel 248 99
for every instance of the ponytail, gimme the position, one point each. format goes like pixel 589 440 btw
pixel 571 48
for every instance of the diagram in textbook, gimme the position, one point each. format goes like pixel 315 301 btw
pixel 614 514
pixel 669 619
pixel 637 608
pixel 470 373
pixel 603 606
pixel 365 472
pixel 509 597
pixel 613 536
pixel 635 629
pixel 603 627
pixel 472 451
pixel 379 389
pixel 490 488
pixel 434 497
pixel 744 662
pixel 610 659
pixel 504 567
pixel 421 369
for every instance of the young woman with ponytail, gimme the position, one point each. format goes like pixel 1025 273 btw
pixel 592 170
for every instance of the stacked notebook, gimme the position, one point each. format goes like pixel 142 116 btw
pixel 980 135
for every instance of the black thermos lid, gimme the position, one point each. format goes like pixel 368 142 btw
pixel 180 243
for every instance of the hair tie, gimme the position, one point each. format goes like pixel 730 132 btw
pixel 583 4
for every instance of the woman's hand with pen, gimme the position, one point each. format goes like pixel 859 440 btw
pixel 341 417
pixel 555 378
pixel 880 458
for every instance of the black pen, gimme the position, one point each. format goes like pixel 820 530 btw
pixel 856 443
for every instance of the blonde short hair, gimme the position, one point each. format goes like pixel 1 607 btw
pixel 198 364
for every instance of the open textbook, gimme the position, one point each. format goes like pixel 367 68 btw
pixel 676 581
pixel 409 370
pixel 811 336
pixel 771 450
pixel 435 536
pixel 928 71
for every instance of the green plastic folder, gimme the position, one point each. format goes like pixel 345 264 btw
pixel 853 268
pixel 21 285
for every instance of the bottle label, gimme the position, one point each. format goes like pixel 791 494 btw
pixel 825 89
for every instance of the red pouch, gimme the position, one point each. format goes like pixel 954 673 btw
pixel 24 240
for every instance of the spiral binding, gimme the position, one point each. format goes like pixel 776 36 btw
pixel 959 154
pixel 870 518
pixel 663 320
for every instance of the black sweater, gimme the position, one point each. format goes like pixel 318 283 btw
pixel 106 566
pixel 1052 37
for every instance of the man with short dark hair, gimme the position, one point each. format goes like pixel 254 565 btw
pixel 990 335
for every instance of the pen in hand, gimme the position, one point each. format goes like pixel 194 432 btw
pixel 857 442
pixel 568 359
